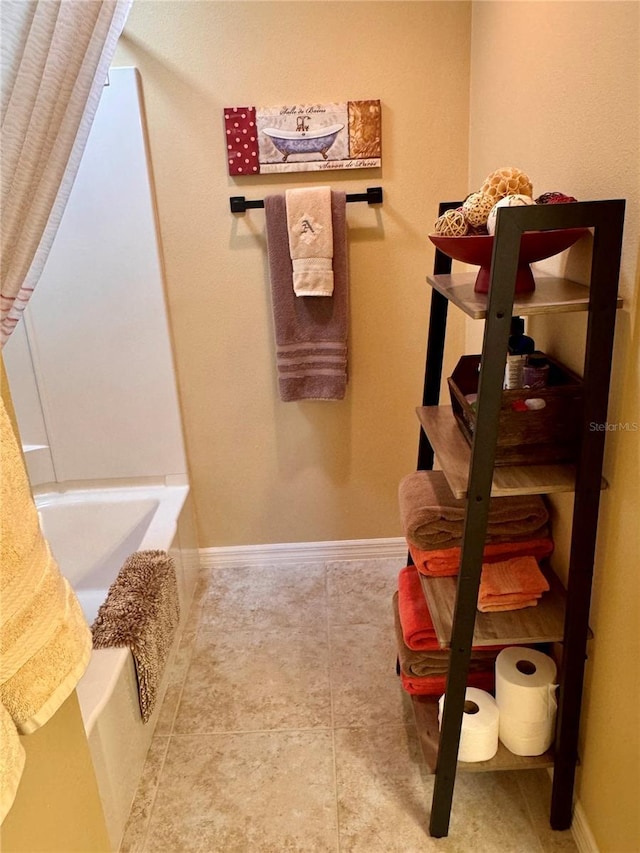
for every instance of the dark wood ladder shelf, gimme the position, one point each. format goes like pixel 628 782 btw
pixel 560 616
pixel 454 454
pixel 425 712
pixel 532 625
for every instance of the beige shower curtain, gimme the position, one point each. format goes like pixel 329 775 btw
pixel 55 55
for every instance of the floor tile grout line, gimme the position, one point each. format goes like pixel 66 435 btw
pixel 306 729
pixel 187 662
pixel 310 729
pixel 333 727
pixel 169 735
pixel 145 832
pixel 529 813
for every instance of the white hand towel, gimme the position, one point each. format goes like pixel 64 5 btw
pixel 310 240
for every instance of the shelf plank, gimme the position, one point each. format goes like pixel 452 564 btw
pixel 552 295
pixel 454 456
pixel 543 623
pixel 425 711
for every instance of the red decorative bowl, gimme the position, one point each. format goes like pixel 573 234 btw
pixel 534 246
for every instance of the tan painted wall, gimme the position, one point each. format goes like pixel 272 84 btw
pixel 57 807
pixel 555 91
pixel 265 471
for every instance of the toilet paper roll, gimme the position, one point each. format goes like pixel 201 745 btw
pixel 524 738
pixel 526 700
pixel 479 731
pixel 525 684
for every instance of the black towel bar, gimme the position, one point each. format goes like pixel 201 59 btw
pixel 239 204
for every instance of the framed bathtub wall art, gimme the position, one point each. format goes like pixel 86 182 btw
pixel 303 137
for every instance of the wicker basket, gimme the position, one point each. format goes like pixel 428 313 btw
pixel 526 436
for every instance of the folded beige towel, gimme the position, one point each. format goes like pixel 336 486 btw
pixel 12 758
pixel 142 612
pixel 45 642
pixel 310 240
pixel 433 518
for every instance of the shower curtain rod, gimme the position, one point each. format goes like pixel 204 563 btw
pixel 239 204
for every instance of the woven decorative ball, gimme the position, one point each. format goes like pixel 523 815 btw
pixel 476 209
pixel 555 198
pixel 516 200
pixel 451 224
pixel 507 181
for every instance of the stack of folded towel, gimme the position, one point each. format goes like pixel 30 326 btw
pixel 511 585
pixel 433 520
pixel 423 664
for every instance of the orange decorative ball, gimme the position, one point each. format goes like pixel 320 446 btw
pixel 507 181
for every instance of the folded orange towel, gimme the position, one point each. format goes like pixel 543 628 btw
pixel 511 584
pixel 518 604
pixel 415 619
pixel 518 576
pixel 446 561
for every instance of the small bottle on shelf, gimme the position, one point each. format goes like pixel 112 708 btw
pixel 518 348
pixel 535 374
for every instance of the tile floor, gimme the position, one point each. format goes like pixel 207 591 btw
pixel 284 729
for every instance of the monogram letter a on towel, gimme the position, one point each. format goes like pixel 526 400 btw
pixel 310 240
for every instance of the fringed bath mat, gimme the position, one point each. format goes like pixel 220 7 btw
pixel 141 612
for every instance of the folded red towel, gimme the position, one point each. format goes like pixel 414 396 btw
pixel 446 561
pixel 435 685
pixel 417 625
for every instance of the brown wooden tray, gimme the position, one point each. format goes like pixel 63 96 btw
pixel 525 436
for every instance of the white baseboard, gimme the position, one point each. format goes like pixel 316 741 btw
pixel 581 831
pixel 303 552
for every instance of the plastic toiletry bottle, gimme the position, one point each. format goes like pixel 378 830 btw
pixel 535 374
pixel 518 348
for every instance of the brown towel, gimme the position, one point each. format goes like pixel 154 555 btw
pixel 311 333
pixel 432 663
pixel 433 518
pixel 142 612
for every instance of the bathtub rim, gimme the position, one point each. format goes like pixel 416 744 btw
pixel 106 665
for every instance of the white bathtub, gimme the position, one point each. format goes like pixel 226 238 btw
pixel 91 532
